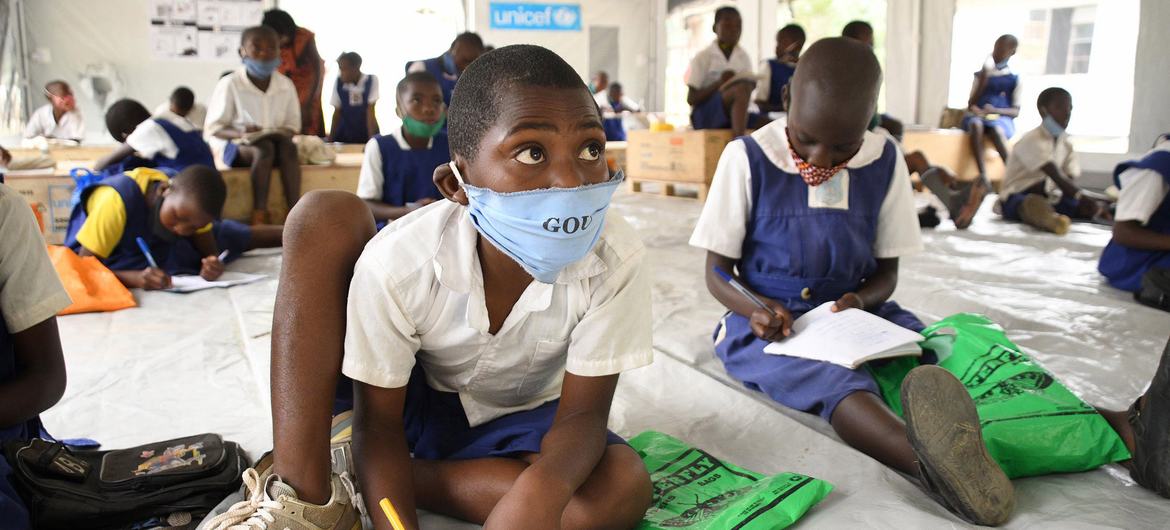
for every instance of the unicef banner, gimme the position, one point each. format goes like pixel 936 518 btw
pixel 546 17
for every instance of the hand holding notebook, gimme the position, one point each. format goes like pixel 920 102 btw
pixel 848 338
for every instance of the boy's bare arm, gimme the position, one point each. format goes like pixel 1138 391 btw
pixel 569 452
pixel 877 288
pixel 40 382
pixel 1132 234
pixel 379 443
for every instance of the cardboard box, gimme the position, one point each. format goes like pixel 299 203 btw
pixel 50 196
pixel 615 155
pixel 951 148
pixel 675 156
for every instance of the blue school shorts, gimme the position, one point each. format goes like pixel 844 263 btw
pixel 437 428
pixel 1011 206
pixel 809 386
pixel 710 114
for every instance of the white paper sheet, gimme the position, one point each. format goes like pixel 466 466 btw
pixel 190 284
pixel 848 338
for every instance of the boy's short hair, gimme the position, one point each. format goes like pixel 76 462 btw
pixel 794 30
pixel 1007 37
pixel 469 38
pixel 183 99
pixel 615 86
pixel 351 57
pixel 483 86
pixel 414 77
pixel 56 83
pixel 725 11
pixel 204 185
pixel 123 116
pixel 1051 94
pixel 258 31
pixel 281 21
pixel 857 29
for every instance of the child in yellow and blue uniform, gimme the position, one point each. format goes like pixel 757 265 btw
pixel 354 96
pixel 177 218
pixel 1141 229
pixel 397 173
pixel 32 368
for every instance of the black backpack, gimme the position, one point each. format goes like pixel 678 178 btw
pixel 1155 291
pixel 66 489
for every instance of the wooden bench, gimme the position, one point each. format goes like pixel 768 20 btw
pixel 950 148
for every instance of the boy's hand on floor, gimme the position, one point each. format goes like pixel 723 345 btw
pixel 848 301
pixel 772 326
pixel 153 279
pixel 211 268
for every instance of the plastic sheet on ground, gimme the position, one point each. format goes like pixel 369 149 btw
pixel 183 364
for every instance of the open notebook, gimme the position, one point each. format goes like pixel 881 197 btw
pixel 849 338
pixel 190 284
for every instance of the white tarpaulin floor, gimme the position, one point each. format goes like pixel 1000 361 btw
pixel 184 364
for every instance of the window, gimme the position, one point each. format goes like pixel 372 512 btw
pixel 1067 43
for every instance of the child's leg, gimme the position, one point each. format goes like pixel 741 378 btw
pixel 975 135
pixel 290 169
pixel 325 235
pixel 615 495
pixel 259 157
pixel 736 99
pixel 999 139
pixel 266 236
pixel 864 422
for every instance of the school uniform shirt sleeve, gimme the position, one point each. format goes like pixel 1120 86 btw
pixel 898 233
pixel 371 179
pixel 150 139
pixel 381 339
pixel 292 107
pixel 722 225
pixel 631 105
pixel 697 70
pixel 1033 151
pixel 1142 192
pixel 374 94
pixel 614 335
pixel 73 125
pixel 335 96
pixel 221 108
pixel 30 291
pixel 36 123
pixel 417 66
pixel 104 222
pixel 1072 163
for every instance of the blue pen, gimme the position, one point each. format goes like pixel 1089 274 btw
pixel 146 252
pixel 743 290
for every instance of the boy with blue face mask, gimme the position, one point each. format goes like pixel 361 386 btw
pixel 397 172
pixel 1038 187
pixel 251 119
pixel 485 333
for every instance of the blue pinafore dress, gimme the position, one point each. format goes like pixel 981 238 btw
pixel 803 257
pixel 352 129
pixel 999 93
pixel 1124 266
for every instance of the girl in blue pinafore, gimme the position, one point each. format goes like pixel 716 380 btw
pixel 1138 203
pixel 804 251
pixel 994 102
pixel 354 96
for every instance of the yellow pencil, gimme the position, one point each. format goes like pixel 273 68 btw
pixel 392 514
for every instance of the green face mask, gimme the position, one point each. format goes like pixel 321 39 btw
pixel 420 129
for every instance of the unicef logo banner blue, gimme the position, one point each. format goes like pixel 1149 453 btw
pixel 547 17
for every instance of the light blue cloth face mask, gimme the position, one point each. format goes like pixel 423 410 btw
pixel 544 230
pixel 261 69
pixel 1052 127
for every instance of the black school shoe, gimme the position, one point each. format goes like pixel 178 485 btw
pixel 1151 432
pixel 954 465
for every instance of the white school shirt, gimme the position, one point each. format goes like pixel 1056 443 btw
pixel 354 91
pixel 722 225
pixel 371 179
pixel 41 123
pixel 196 116
pixel 30 291
pixel 417 295
pixel 710 63
pixel 1142 191
pixel 1033 151
pixel 236 103
pixel 602 99
pixel 149 138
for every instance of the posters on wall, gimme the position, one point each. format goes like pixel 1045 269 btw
pixel 200 29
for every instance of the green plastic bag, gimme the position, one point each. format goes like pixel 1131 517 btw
pixel 1032 424
pixel 695 490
